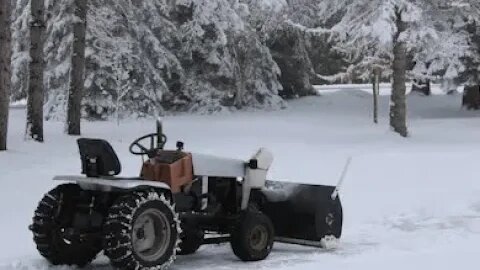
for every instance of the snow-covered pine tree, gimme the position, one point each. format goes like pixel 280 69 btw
pixel 5 69
pixel 299 46
pixel 471 59
pixel 392 28
pixel 255 87
pixel 137 30
pixel 144 40
pixel 288 45
pixel 209 33
pixel 440 58
pixel 470 74
pixel 455 59
pixel 155 42
pixel 263 16
pixel 20 49
pixel 282 25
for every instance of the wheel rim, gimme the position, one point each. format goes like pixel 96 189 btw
pixel 259 238
pixel 151 235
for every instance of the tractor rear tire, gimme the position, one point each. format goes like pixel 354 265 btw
pixel 50 227
pixel 141 232
pixel 252 237
pixel 191 242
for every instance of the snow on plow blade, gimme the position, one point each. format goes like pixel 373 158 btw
pixel 303 214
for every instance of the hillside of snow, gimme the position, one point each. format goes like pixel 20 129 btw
pixel 409 203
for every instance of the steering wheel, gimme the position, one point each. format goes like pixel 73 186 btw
pixel 156 142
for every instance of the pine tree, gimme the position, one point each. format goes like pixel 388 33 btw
pixel 210 32
pixel 159 41
pixel 376 29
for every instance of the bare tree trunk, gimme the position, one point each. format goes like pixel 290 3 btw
pixel 77 70
pixel 422 87
pixel 471 97
pixel 5 69
pixel 36 67
pixel 240 52
pixel 376 91
pixel 398 106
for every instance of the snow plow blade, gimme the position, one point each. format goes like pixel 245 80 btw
pixel 302 214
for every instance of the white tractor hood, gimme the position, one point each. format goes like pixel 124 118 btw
pixel 209 165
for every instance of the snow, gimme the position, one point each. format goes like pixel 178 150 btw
pixel 409 203
pixel 19 103
pixel 385 88
pixel 273 5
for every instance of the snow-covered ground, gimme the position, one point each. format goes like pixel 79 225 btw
pixel 409 203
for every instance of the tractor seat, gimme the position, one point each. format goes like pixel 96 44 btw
pixel 98 158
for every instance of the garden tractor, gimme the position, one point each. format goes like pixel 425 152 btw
pixel 180 201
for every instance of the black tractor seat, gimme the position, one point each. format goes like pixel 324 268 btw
pixel 98 158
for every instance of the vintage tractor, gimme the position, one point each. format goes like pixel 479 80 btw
pixel 179 202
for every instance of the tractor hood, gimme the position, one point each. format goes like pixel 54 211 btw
pixel 209 165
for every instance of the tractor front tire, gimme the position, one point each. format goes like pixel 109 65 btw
pixel 141 232
pixel 50 228
pixel 191 242
pixel 252 237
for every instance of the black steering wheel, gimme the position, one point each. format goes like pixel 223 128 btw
pixel 156 142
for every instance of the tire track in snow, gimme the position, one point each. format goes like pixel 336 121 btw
pixel 399 233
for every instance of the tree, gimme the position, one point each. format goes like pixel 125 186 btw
pixel 180 56
pixel 289 49
pixel 257 84
pixel 456 58
pixel 441 58
pixel 77 69
pixel 36 70
pixel 376 91
pixel 284 26
pixel 5 69
pixel 459 59
pixel 471 73
pixel 392 28
pixel 421 86
pixel 215 80
pixel 471 97
pixel 398 106
pixel 124 85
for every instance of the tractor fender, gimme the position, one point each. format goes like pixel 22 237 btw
pixel 107 184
